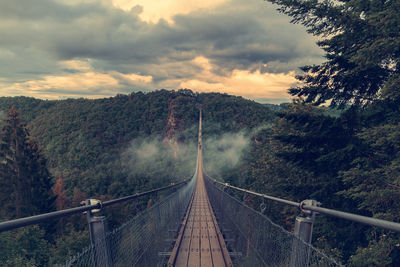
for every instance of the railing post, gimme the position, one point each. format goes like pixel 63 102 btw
pixel 98 229
pixel 303 229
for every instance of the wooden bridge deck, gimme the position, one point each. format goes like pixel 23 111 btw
pixel 200 242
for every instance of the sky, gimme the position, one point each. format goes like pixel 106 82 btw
pixel 57 49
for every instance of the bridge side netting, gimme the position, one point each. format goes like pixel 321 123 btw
pixel 254 240
pixel 142 240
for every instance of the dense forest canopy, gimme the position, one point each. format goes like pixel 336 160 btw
pixel 117 146
pixel 107 148
pixel 83 139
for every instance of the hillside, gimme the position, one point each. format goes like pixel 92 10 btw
pixel 86 141
pixel 107 148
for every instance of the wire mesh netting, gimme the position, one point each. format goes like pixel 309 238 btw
pixel 254 240
pixel 142 241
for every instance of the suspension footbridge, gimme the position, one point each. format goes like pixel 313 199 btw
pixel 199 223
pixel 200 241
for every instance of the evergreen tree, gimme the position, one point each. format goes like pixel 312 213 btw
pixel 14 168
pixel 361 39
pixel 42 197
pixel 26 182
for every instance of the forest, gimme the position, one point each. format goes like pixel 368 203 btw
pixel 104 149
pixel 337 142
pixel 107 148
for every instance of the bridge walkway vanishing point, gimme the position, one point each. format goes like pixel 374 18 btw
pixel 200 241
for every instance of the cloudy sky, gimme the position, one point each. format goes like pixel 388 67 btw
pixel 56 49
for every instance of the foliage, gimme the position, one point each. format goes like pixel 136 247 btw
pixel 90 147
pixel 26 181
pixel 375 174
pixel 24 247
pixel 376 254
pixel 361 40
pixel 68 245
pixel 113 147
pixel 348 162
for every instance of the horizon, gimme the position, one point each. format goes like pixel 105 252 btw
pixel 272 101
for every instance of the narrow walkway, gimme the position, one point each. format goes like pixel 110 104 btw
pixel 200 242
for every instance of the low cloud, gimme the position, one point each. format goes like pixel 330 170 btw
pixel 153 155
pixel 224 152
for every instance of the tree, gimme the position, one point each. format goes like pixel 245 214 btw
pixel 42 197
pixel 14 168
pixel 361 40
pixel 24 247
pixel 373 183
pixel 62 201
pixel 323 146
pixel 24 174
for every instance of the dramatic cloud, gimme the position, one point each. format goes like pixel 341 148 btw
pixel 78 80
pixel 96 48
pixel 154 10
pixel 254 85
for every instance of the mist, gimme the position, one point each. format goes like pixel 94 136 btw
pixel 155 157
pixel 224 152
pixel 158 157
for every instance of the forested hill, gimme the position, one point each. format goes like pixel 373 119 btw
pixel 86 141
pixel 107 148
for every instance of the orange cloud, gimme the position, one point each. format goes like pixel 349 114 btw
pixel 241 82
pixel 85 82
pixel 79 65
pixel 154 10
pixel 81 80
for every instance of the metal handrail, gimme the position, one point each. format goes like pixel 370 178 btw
pixel 17 223
pixel 393 226
pixel 281 200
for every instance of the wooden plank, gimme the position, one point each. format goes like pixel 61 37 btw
pixel 179 240
pixel 200 242
pixel 206 257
